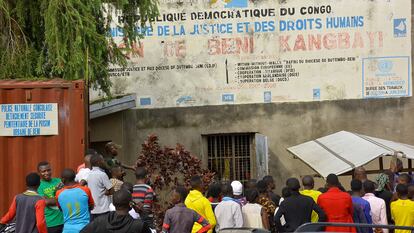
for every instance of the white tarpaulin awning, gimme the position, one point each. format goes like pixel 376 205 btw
pixel 343 151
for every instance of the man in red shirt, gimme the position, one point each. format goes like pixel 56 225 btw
pixel 28 209
pixel 337 205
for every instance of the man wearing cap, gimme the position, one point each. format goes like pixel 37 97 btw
pixel 238 193
pixel 111 151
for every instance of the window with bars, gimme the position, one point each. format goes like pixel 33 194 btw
pixel 230 156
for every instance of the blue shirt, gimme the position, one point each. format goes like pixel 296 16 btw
pixel 74 201
pixel 365 206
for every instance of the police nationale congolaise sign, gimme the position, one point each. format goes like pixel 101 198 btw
pixel 28 119
pixel 238 51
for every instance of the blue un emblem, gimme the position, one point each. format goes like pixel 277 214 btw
pixel 385 66
pixel 400 27
pixel 236 4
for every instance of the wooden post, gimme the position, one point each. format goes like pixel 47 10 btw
pixel 381 164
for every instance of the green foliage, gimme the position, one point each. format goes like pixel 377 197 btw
pixel 69 39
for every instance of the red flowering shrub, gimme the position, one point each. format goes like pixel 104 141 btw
pixel 169 167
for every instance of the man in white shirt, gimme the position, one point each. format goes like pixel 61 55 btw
pixel 228 211
pixel 83 173
pixel 100 186
pixel 378 209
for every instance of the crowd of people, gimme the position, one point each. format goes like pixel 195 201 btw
pixel 97 199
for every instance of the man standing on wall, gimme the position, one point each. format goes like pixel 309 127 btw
pixel 111 150
pixel 47 189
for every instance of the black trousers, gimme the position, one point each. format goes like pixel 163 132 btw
pixel 56 229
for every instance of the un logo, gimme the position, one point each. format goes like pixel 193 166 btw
pixel 385 66
pixel 232 3
pixel 400 27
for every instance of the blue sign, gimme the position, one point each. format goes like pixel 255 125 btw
pixel 316 93
pixel 227 97
pixel 267 95
pixel 184 99
pixel 145 101
pixel 400 27
pixel 236 4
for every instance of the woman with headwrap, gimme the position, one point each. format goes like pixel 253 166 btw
pixel 383 192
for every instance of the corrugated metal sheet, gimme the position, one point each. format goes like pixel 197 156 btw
pixel 343 151
pixel 20 155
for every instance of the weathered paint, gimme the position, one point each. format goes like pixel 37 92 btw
pixel 20 155
pixel 285 124
pixel 241 52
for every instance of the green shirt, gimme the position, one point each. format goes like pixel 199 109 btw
pixel 53 215
pixel 112 162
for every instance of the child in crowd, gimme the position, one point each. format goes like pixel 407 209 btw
pixel 117 179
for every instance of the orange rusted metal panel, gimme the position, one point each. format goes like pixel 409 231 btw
pixel 20 155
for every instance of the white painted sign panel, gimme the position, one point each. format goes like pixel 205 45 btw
pixel 239 51
pixel 28 119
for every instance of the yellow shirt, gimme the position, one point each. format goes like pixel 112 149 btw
pixel 402 211
pixel 197 202
pixel 314 195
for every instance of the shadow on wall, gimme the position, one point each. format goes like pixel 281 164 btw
pixel 279 172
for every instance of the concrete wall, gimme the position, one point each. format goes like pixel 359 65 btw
pixel 285 124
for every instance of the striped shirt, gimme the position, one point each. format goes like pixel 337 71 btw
pixel 145 194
